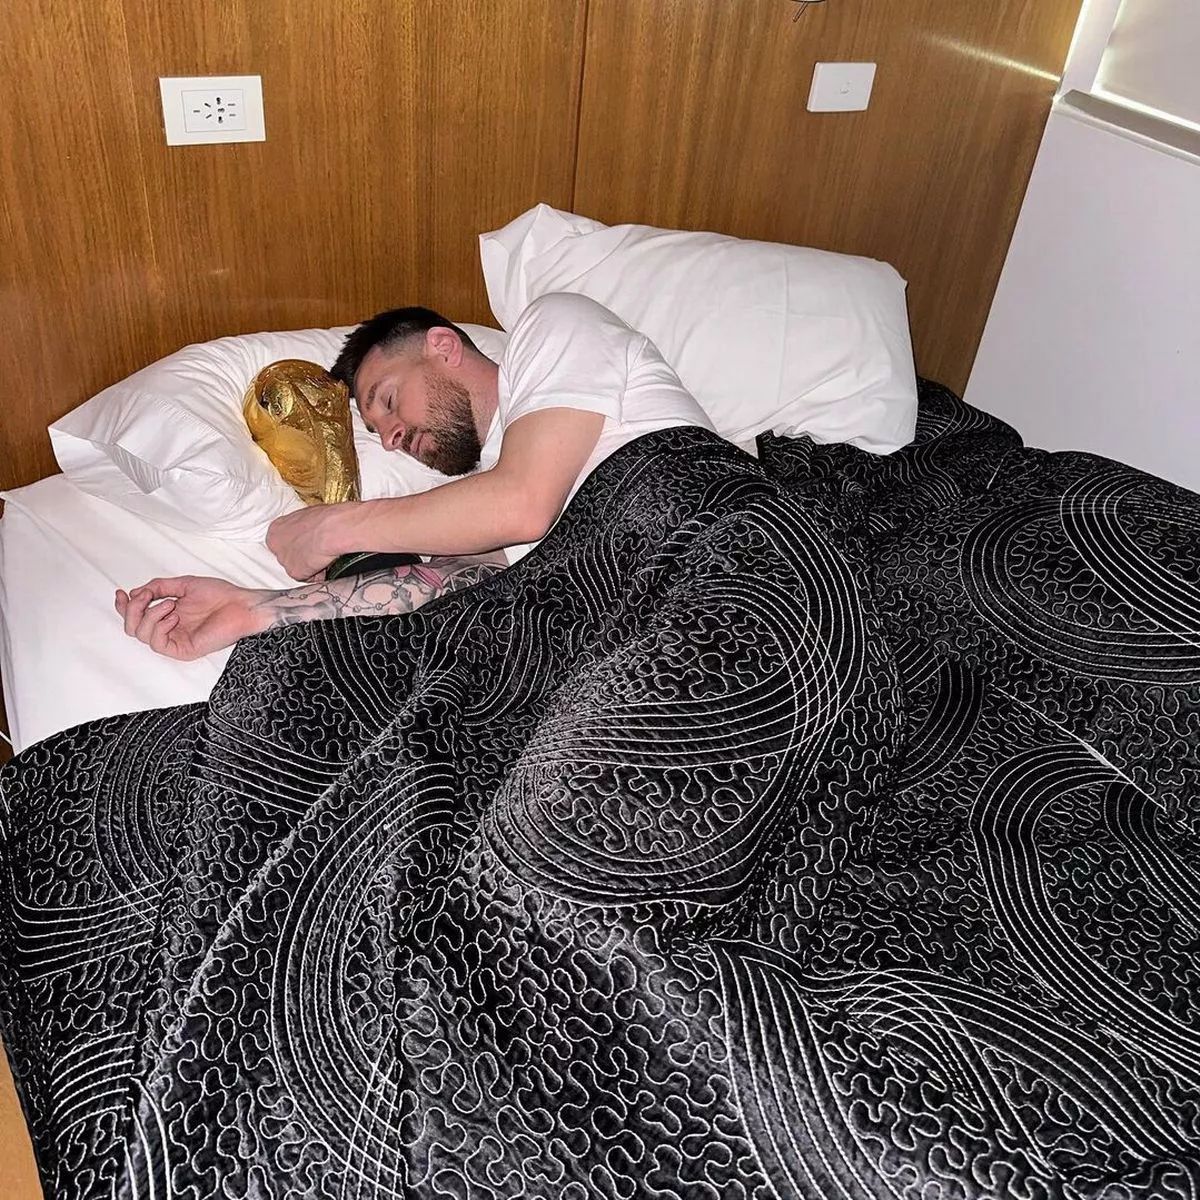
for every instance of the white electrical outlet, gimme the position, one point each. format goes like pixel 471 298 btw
pixel 207 109
pixel 212 108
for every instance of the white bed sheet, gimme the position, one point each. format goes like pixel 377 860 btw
pixel 63 654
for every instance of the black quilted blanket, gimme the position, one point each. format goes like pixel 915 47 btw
pixel 821 827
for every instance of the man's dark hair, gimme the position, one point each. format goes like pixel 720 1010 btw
pixel 391 328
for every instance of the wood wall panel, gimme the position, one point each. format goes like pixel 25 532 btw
pixel 77 279
pixel 709 130
pixel 395 132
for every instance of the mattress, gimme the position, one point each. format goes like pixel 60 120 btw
pixel 64 656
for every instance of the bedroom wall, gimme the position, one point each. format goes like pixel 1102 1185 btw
pixel 394 131
pixel 1091 342
pixel 709 128
pixel 415 115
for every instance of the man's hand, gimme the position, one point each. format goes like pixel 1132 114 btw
pixel 191 616
pixel 307 541
pixel 188 617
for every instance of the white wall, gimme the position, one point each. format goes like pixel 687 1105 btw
pixel 1093 341
pixel 1153 57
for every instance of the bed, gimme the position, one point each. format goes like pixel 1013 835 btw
pixel 815 824
pixel 68 542
pixel 64 657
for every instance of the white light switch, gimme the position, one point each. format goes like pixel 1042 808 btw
pixel 212 108
pixel 841 87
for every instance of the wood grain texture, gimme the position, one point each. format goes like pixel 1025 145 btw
pixel 77 279
pixel 398 131
pixel 708 129
pixel 395 133
pixel 18 1171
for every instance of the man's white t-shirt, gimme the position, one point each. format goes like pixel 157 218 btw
pixel 567 351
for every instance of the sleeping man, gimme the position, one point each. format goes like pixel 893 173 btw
pixel 573 385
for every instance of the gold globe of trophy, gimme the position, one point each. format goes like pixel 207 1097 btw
pixel 299 416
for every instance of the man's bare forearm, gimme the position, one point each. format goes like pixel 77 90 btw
pixel 381 593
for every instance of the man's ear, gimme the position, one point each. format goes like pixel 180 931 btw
pixel 445 344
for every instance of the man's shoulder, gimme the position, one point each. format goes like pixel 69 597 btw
pixel 566 334
pixel 571 310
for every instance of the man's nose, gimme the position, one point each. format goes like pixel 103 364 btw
pixel 392 437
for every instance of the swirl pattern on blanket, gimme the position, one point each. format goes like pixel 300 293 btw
pixel 817 826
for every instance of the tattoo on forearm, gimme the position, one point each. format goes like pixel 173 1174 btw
pixel 383 593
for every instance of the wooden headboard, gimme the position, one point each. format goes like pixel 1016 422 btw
pixel 397 131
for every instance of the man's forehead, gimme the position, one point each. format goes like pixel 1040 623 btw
pixel 380 363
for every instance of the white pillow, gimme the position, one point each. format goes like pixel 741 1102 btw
pixel 765 336
pixel 170 442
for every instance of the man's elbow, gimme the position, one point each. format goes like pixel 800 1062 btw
pixel 531 528
pixel 533 516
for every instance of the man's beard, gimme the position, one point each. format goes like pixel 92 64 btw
pixel 451 425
